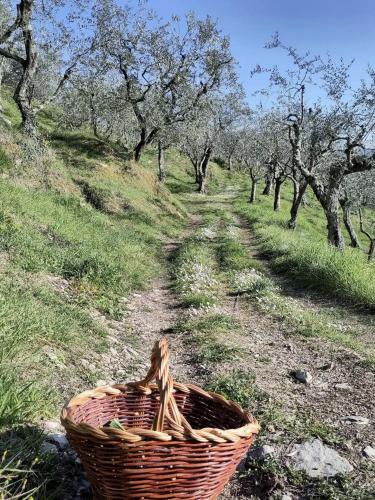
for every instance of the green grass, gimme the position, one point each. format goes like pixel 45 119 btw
pixel 304 256
pixel 216 352
pixel 208 336
pixel 234 256
pixel 212 323
pixel 310 323
pixel 80 228
pixel 238 386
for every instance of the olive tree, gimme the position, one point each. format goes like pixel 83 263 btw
pixel 358 194
pixel 338 132
pixel 201 137
pixel 166 68
pixel 37 27
pixel 5 18
pixel 252 158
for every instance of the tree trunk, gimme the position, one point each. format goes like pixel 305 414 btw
pixel 302 186
pixel 371 252
pixel 161 162
pixel 138 150
pixel 295 191
pixel 230 163
pixel 29 124
pixel 202 172
pixel 253 191
pixel 201 183
pixel 333 222
pixel 277 196
pixel 268 187
pixel 196 169
pixel 2 66
pixel 93 118
pixel 348 224
pixel 24 91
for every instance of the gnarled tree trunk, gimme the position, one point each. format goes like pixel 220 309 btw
pixel 295 191
pixel 299 193
pixel 331 210
pixel 253 190
pixel 268 187
pixel 138 150
pixel 161 162
pixel 202 171
pixel 277 195
pixel 24 90
pixel 144 140
pixel 348 223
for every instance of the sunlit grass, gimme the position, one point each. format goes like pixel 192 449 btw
pixel 304 256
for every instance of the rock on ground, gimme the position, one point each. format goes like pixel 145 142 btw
pixel 356 419
pixel 318 460
pixel 302 376
pixel 369 452
pixel 261 452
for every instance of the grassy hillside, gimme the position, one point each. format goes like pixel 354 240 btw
pixel 304 256
pixel 80 228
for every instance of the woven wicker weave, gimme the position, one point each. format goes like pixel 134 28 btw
pixel 179 440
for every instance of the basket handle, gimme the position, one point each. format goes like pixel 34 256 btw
pixel 159 371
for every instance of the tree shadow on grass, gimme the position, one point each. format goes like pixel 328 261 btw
pixel 77 148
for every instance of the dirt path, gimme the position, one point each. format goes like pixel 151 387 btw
pixel 339 387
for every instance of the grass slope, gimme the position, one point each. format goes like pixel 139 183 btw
pixel 80 227
pixel 304 256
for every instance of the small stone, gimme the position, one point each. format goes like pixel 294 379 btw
pixel 355 419
pixel 343 387
pixel 318 460
pixel 322 385
pixel 59 439
pixel 327 367
pixel 51 426
pixel 369 452
pixel 132 351
pixel 48 448
pixel 302 376
pixel 271 428
pixel 261 452
pixel 286 497
pixel 84 486
pixel 290 347
pixel 241 467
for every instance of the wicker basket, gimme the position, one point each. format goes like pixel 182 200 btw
pixel 179 440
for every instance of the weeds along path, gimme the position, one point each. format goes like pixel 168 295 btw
pixel 149 316
pixel 246 336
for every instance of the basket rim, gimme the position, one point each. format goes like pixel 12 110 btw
pixel 136 434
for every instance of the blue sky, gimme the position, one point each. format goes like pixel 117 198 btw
pixel 342 27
